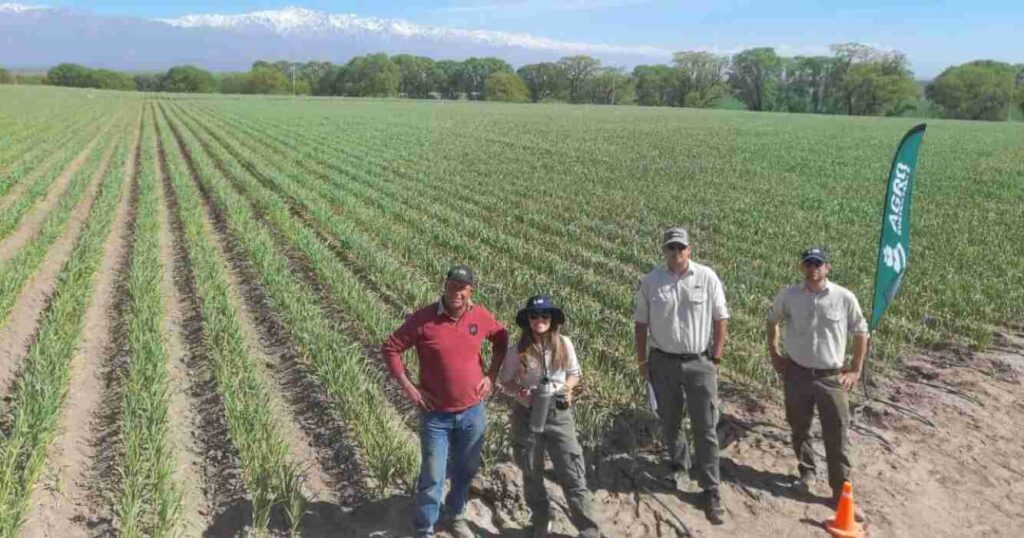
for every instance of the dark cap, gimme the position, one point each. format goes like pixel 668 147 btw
pixel 461 273
pixel 815 253
pixel 675 235
pixel 539 304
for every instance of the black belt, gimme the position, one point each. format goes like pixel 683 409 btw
pixel 816 372
pixel 684 357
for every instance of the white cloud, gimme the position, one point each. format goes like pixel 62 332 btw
pixel 533 8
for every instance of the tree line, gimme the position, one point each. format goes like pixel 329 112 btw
pixel 854 79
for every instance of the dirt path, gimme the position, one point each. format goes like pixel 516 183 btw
pixel 185 425
pixel 62 500
pixel 222 491
pixel 16 336
pixel 964 476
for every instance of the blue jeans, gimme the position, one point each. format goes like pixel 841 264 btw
pixel 460 434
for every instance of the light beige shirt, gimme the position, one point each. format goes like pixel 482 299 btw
pixel 529 376
pixel 679 310
pixel 817 324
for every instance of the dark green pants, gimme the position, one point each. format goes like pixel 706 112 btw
pixel 681 388
pixel 804 392
pixel 559 439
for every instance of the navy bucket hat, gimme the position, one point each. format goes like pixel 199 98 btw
pixel 539 304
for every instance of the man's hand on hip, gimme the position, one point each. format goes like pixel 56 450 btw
pixel 417 397
pixel 483 389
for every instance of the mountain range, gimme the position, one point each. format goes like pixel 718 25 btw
pixel 34 37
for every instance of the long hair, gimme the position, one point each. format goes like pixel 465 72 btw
pixel 531 350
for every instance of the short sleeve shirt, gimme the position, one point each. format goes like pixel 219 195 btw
pixel 818 324
pixel 679 309
pixel 528 373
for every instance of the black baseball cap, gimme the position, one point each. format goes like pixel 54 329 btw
pixel 815 253
pixel 461 273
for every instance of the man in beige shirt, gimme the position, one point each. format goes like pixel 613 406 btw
pixel 681 312
pixel 819 316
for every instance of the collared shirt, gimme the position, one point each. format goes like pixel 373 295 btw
pixel 817 324
pixel 679 310
pixel 451 366
pixel 527 371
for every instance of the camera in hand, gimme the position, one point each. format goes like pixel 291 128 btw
pixel 561 402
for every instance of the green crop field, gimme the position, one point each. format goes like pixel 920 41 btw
pixel 271 244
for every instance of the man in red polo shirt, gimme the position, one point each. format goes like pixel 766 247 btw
pixel 447 336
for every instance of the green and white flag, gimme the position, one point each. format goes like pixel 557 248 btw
pixel 894 243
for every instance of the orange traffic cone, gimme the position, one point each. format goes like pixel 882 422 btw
pixel 844 525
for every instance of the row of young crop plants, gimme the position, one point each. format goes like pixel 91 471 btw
pixel 42 384
pixel 36 149
pixel 423 231
pixel 401 274
pixel 337 362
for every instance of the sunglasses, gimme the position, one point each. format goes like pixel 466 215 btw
pixel 534 317
pixel 676 247
pixel 814 263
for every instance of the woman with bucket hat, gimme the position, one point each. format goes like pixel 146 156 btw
pixel 541 371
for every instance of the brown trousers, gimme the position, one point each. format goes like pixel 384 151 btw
pixel 804 392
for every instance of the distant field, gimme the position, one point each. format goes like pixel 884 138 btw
pixel 270 244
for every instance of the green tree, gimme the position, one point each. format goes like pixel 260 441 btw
pixel 188 79
pixel 805 84
pixel 6 77
pixel 610 86
pixel 978 90
pixel 755 77
pixel 578 72
pixel 880 85
pixel 373 75
pixel 414 75
pixel 1018 85
pixel 265 79
pixel 508 87
pixel 446 78
pixel 67 74
pixel 147 82
pixel 475 72
pixel 844 57
pixel 234 83
pixel 654 85
pixel 106 79
pixel 314 73
pixel 544 80
pixel 700 78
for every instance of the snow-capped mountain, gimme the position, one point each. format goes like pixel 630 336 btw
pixel 32 36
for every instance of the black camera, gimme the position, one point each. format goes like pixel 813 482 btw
pixel 561 403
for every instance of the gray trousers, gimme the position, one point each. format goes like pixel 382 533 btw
pixel 804 392
pixel 690 388
pixel 559 439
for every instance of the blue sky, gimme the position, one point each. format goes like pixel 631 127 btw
pixel 934 34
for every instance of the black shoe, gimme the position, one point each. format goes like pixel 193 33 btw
pixel 713 509
pixel 676 480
